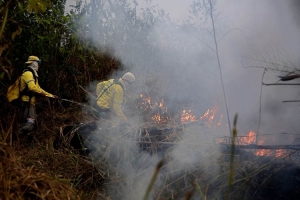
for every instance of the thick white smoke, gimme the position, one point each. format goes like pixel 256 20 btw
pixel 268 38
pixel 183 68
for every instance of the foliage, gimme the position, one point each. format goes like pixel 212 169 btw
pixel 67 62
pixel 11 27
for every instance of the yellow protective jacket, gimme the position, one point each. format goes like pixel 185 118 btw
pixel 33 87
pixel 110 97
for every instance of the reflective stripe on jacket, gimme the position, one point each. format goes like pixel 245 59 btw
pixel 27 79
pixel 110 96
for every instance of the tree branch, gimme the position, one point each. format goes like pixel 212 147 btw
pixel 268 84
pixel 227 33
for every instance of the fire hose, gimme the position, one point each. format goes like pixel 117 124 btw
pixel 78 103
pixel 71 101
pixel 82 104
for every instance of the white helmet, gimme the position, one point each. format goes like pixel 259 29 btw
pixel 128 77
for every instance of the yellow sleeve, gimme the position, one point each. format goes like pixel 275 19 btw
pixel 118 101
pixel 32 86
pixel 99 88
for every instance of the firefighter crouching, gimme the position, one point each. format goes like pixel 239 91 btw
pixel 110 95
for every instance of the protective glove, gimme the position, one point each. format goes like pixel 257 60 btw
pixel 52 96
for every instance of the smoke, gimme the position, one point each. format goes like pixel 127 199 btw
pixel 177 63
pixel 268 38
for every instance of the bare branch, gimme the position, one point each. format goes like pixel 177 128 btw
pixel 211 34
pixel 228 32
pixel 205 44
pixel 268 84
pixel 217 16
pixel 219 64
pixel 289 101
pixel 264 61
pixel 262 67
pixel 260 101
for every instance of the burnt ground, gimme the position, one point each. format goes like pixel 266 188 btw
pixel 255 177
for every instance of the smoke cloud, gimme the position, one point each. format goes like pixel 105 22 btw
pixel 179 64
pixel 268 39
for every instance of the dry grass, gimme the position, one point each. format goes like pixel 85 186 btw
pixel 19 181
pixel 31 169
pixel 34 170
pixel 37 171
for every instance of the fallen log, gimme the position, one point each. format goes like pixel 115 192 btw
pixel 290 101
pixel 268 84
pixel 253 146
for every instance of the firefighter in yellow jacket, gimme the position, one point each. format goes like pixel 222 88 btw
pixel 30 88
pixel 110 96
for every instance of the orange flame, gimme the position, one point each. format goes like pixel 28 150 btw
pixel 263 152
pixel 186 116
pixel 251 139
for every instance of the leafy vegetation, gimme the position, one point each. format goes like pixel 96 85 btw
pixel 42 28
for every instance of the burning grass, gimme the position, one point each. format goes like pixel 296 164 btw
pixel 123 164
pixel 191 169
pixel 194 166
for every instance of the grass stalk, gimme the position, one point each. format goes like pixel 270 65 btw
pixel 153 178
pixel 232 153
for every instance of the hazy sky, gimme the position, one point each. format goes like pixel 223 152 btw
pixel 177 8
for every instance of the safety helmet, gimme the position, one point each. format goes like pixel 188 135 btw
pixel 128 77
pixel 33 58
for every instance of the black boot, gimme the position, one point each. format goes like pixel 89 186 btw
pixel 26 128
